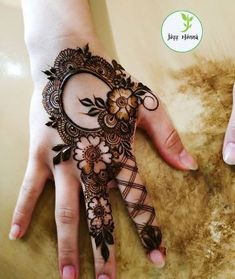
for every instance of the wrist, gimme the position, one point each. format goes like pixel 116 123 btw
pixel 43 57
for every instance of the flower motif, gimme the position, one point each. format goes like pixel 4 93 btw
pixel 99 212
pixel 92 154
pixel 122 103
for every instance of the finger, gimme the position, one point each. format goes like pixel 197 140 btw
pixel 165 138
pixel 100 223
pixel 32 186
pixel 141 210
pixel 67 219
pixel 229 139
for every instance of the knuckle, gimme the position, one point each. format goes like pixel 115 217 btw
pixel 173 140
pixel 99 261
pixel 19 214
pixel 67 254
pixel 66 215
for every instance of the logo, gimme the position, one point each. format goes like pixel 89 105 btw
pixel 182 31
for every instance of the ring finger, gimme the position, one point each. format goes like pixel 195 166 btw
pixel 101 226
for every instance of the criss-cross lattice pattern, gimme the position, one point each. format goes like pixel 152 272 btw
pixel 129 187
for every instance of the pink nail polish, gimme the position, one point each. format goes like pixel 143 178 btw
pixel 15 232
pixel 157 258
pixel 68 272
pixel 103 276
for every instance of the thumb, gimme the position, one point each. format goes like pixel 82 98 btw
pixel 166 139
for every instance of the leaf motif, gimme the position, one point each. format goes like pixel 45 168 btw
pixel 53 70
pixel 51 78
pixel 148 242
pixel 57 159
pixel 140 92
pixel 108 237
pixel 117 66
pixel 123 82
pixel 54 124
pixel 114 62
pixel 58 147
pixel 99 102
pixel 86 48
pixel 86 102
pixel 66 153
pixel 190 26
pixel 150 231
pixel 183 16
pixel 185 24
pixel 191 18
pixel 93 112
pixel 128 81
pixel 143 87
pixel 104 251
pixel 88 55
pixel 48 73
pixel 49 123
pixel 98 239
pixel 154 234
pixel 79 50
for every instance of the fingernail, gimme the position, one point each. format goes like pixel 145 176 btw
pixel 188 161
pixel 157 258
pixel 103 276
pixel 15 232
pixel 68 272
pixel 229 153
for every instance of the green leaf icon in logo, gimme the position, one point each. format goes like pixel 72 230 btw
pixel 187 22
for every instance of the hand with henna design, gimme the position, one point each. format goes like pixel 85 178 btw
pixel 91 107
pixel 103 153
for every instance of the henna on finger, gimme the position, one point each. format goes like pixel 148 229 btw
pixel 100 152
pixel 139 206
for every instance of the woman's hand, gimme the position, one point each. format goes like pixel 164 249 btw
pixel 91 107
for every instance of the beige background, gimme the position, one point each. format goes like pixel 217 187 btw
pixel 195 209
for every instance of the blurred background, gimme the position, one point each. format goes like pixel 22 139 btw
pixel 195 209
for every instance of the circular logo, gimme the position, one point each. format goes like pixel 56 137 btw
pixel 182 31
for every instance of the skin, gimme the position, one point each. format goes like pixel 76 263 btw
pixel 229 139
pixel 71 26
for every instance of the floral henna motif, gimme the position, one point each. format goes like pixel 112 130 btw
pixel 92 154
pixel 103 151
pixel 122 103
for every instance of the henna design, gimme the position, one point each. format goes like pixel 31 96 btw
pixel 103 151
pixel 150 235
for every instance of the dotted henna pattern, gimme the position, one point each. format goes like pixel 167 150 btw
pixel 101 153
